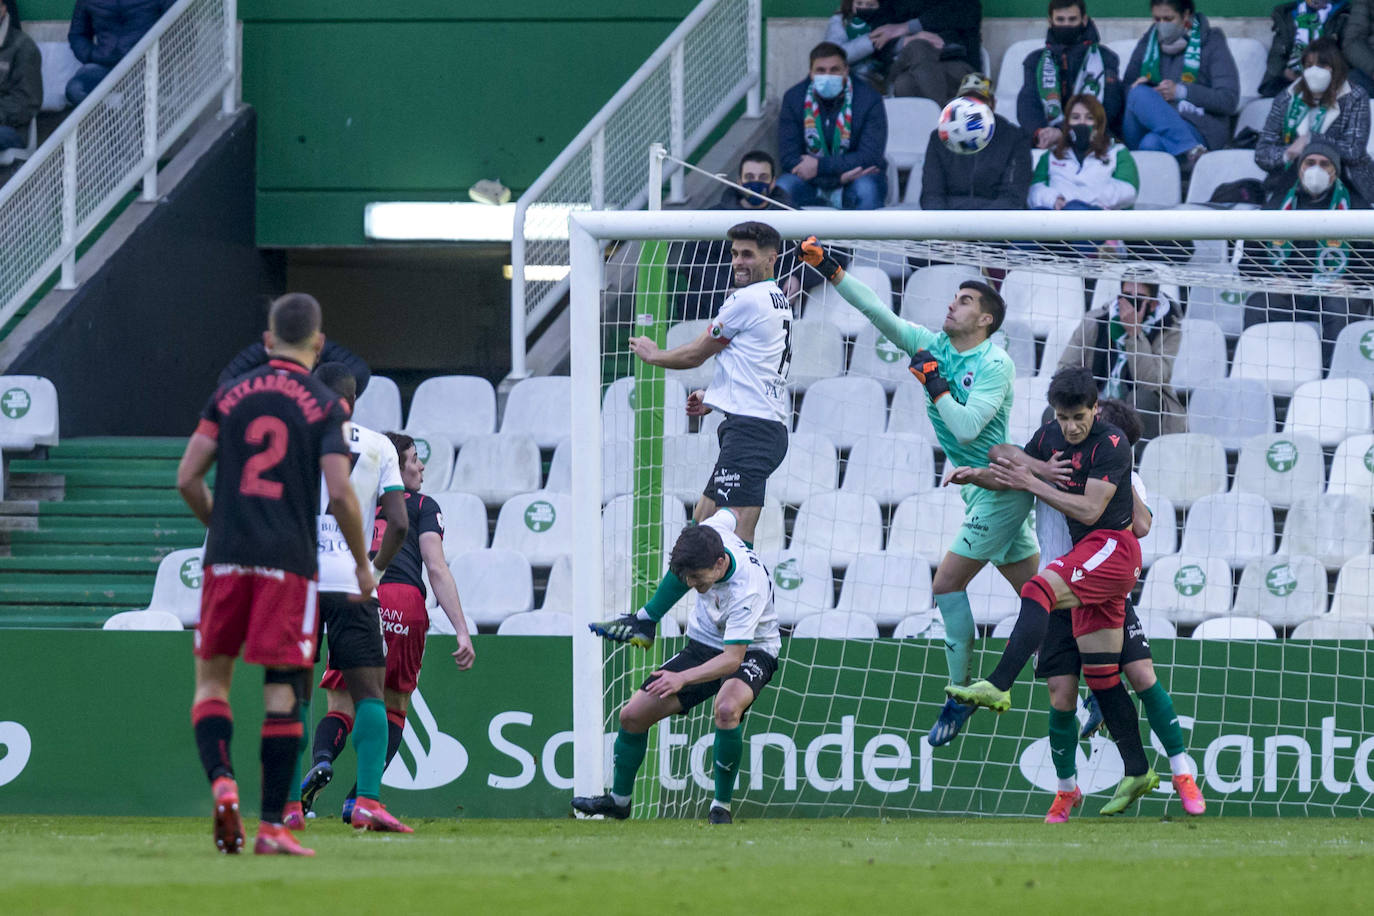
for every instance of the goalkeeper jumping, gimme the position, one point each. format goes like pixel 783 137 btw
pixel 968 380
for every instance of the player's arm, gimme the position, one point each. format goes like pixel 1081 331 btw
pixel 667 683
pixel 1142 519
pixel 343 505
pixel 904 334
pixel 985 399
pixel 196 462
pixel 688 356
pixel 397 526
pixel 1086 507
pixel 446 593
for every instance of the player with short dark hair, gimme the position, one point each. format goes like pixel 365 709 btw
pixel 272 432
pixel 731 654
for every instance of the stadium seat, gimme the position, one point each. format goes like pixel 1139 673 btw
pixel 926 524
pixel 1018 339
pixel 1352 469
pixel 536 623
pixel 909 123
pixel 1282 354
pixel 1224 306
pixel 688 460
pixel 1234 410
pixel 770 534
pixel 1234 628
pixel 496 467
pixel 909 414
pixel 842 524
pixel 1353 356
pixel 889 468
pixel 682 333
pixel 1183 467
pixel 1251 57
pixel 1163 537
pixel 919 626
pixel 1282 590
pixel 1329 409
pixel 991 597
pixel 1280 467
pixel 456 406
pixel 379 406
pixel 558 591
pixel 560 468
pixel 143 620
pixel 835 625
pixel 1055 344
pixel 1325 628
pixel 885 586
pixel 464 520
pixel 930 290
pixel 28 412
pixel 824 304
pixel 436 451
pixel 617 470
pixel 1157 627
pixel 493 584
pixel 1253 115
pixel 541 407
pixel 1161 186
pixel 1011 75
pixel 810 466
pixel 803 584
pixel 538 525
pixel 843 409
pixel 1201 354
pixel 876 357
pixel 1353 597
pixel 1218 167
pixel 1028 403
pixel 619 534
pixel 618 409
pixel 1124 48
pixel 1331 528
pixel 439 624
pixel 1004 627
pixel 176 589
pixel 1047 301
pixel 1238 527
pixel 817 354
pixel 911 194
pixel 1186 589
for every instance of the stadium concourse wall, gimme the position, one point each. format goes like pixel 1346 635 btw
pixel 97 723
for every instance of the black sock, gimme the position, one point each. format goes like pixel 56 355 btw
pixel 395 727
pixel 213 724
pixel 1025 639
pixel 330 736
pixel 1120 716
pixel 281 742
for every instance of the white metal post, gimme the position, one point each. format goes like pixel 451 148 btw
pixel 597 164
pixel 589 753
pixel 150 89
pixel 229 100
pixel 68 278
pixel 753 102
pixel 656 153
pixel 677 117
pixel 519 311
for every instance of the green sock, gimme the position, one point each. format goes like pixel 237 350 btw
pixel 668 593
pixel 959 630
pixel 628 755
pixel 728 751
pixel 1159 709
pixel 1064 742
pixel 369 740
pixel 293 791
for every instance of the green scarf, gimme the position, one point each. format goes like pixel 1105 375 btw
pixel 855 27
pixel 1297 110
pixel 1192 55
pixel 1088 79
pixel 1116 333
pixel 1308 27
pixel 816 142
pixel 1330 261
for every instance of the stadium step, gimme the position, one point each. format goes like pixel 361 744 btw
pixel 134 506
pixel 142 563
pixel 132 524
pixel 58 615
pixel 68 465
pixel 94 551
pixel 31 590
pixel 80 477
pixel 119 447
pixel 189 536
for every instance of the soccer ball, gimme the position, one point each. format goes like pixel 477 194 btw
pixel 966 125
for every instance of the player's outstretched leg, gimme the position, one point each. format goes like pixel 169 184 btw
pixel 959 632
pixel 330 737
pixel 1037 600
pixel 637 631
pixel 627 757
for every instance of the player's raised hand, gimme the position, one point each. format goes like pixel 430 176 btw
pixel 927 371
pixel 664 684
pixel 465 654
pixel 812 253
pixel 958 476
pixel 644 348
pixel 696 403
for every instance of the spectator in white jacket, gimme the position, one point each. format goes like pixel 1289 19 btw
pixel 1086 169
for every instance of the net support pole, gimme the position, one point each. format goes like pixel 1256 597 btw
pixel 589 763
pixel 753 100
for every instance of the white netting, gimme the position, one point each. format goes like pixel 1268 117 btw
pixel 1259 464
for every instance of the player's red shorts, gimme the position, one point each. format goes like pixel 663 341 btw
pixel 268 613
pixel 1101 570
pixel 404 623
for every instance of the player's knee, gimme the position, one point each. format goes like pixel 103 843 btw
pixel 297 680
pixel 632 721
pixel 729 713
pixel 1101 670
pixel 1039 590
pixel 1064 693
pixel 1140 674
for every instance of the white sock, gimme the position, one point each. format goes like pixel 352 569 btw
pixel 1179 765
pixel 621 799
pixel 724 806
pixel 643 615
pixel 1068 785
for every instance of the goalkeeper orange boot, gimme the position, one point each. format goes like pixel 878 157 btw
pixel 293 817
pixel 276 840
pixel 228 824
pixel 1064 803
pixel 1189 794
pixel 371 814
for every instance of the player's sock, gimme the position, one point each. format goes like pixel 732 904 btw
pixel 331 735
pixel 628 756
pixel 395 728
pixel 959 630
pixel 728 751
pixel 1064 747
pixel 369 741
pixel 1159 710
pixel 213 723
pixel 281 742
pixel 670 590
pixel 1037 599
pixel 293 792
pixel 1102 671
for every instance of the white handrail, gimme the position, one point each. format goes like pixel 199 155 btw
pixel 112 141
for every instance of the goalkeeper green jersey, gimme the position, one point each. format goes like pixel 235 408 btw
pixel 974 416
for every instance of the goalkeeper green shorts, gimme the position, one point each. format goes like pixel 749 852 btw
pixel 997 526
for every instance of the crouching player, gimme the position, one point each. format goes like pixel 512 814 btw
pixel 732 652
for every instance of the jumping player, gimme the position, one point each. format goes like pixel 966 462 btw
pixel 732 652
pixel 273 432
pixel 968 381
pixel 750 337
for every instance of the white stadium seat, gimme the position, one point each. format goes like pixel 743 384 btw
pixel 876 357
pixel 889 468
pixel 1353 355
pixel 1184 467
pixel 1220 166
pixel 536 623
pixel 1253 114
pixel 1047 301
pixel 1353 597
pixel 1004 627
pixel 1161 186
pixel 843 409
pixel 925 625
pixel 617 469
pixel 379 406
pixel 618 409
pixel 688 460
pixel 909 413
pixel 1163 537
pixel 439 624
pixel 1238 527
pixel 842 524
pixel 817 354
pixel 493 584
pixel 540 407
pixel 1326 628
pixel 824 304
pixel 619 533
pixel 885 586
pixel 436 452
pixel 1055 345
pixel 909 123
pixel 143 620
pixel 803 584
pixel 496 467
pixel 1352 469
pixel 1201 354
pixel 1234 628
pixel 926 524
pixel 1282 354
pixel 810 466
pixel 1334 529
pixel 1329 409
pixel 1156 626
pixel 991 597
pixel 1018 339
pixel 1281 468
pixel 176 589
pixel 930 290
pixel 1251 57
pixel 1011 74
pixel 770 534
pixel 537 524
pixel 835 625
pixel 1223 305
pixel 560 468
pixel 28 412
pixel 1186 589
pixel 683 333
pixel 456 406
pixel 1283 590
pixel 1231 409
pixel 465 522
pixel 1028 403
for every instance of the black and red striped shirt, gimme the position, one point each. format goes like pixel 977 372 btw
pixel 406 566
pixel 1105 455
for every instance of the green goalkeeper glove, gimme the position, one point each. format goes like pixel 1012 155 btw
pixel 927 371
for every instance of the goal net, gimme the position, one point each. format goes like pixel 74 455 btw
pixel 1243 339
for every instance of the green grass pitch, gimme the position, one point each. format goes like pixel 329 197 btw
pixel 832 867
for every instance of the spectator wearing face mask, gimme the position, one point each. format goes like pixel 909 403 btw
pixel 1086 169
pixel 1073 62
pixel 1357 43
pixel 869 43
pixel 996 177
pixel 1297 24
pixel 832 131
pixel 1323 103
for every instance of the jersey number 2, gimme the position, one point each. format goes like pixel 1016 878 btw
pixel 272 431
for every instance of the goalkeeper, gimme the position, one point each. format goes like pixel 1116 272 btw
pixel 968 380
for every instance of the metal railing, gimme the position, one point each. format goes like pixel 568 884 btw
pixel 684 90
pixel 111 142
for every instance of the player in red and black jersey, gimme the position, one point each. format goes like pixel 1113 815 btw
pixel 1093 579
pixel 272 432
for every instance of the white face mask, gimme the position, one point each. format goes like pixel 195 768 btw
pixel 1315 180
pixel 1318 79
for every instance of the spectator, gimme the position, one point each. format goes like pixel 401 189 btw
pixel 996 177
pixel 832 131
pixel 1320 103
pixel 942 47
pixel 1318 187
pixel 1297 24
pixel 1184 85
pixel 255 354
pixel 1073 62
pixel 1086 169
pixel 21 82
pixel 1130 347
pixel 13 7
pixel 1357 43
pixel 868 44
pixel 102 32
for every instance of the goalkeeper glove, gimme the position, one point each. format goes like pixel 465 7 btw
pixel 812 253
pixel 927 371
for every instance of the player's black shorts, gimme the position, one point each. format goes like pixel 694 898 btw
pixel 1059 650
pixel 354 631
pixel 750 449
pixel 756 670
